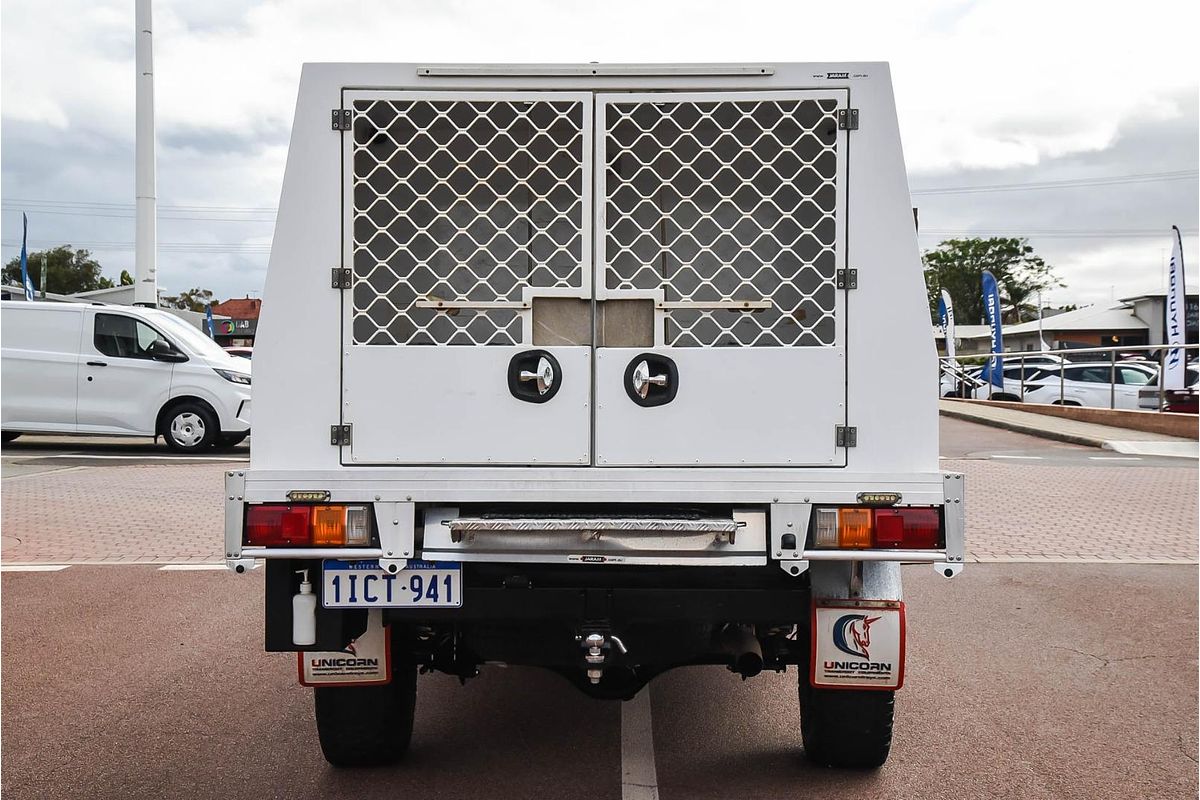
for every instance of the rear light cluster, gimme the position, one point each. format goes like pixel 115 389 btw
pixel 308 526
pixel 862 528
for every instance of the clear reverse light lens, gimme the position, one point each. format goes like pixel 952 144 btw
pixel 233 377
pixel 358 526
pixel 825 532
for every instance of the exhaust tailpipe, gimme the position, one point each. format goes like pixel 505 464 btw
pixel 743 648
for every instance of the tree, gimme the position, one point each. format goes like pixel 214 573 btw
pixel 191 300
pixel 126 278
pixel 68 271
pixel 957 266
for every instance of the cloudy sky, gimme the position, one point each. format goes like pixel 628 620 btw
pixel 997 99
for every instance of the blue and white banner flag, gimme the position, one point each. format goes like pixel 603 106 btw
pixel 993 371
pixel 1173 367
pixel 28 284
pixel 946 322
pixel 208 321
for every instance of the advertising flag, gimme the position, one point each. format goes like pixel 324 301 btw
pixel 208 321
pixel 28 284
pixel 1173 367
pixel 946 322
pixel 993 371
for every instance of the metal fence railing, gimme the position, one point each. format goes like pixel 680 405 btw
pixel 1038 369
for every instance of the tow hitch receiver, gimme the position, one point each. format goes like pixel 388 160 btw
pixel 597 649
pixel 857 644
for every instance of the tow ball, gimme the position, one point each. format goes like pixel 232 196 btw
pixel 597 648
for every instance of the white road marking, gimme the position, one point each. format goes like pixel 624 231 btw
pixel 111 457
pixel 639 777
pixel 1028 458
pixel 33 567
pixel 1114 458
pixel 190 567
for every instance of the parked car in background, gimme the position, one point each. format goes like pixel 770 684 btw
pixel 240 352
pixel 1014 376
pixel 1150 398
pixel 958 382
pixel 118 370
pixel 1091 385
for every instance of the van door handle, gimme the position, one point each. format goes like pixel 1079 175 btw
pixel 97 363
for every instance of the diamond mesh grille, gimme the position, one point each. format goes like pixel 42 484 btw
pixel 463 201
pixel 726 200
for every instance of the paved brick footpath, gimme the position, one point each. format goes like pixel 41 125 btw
pixel 1032 512
pixel 157 513
pixel 173 513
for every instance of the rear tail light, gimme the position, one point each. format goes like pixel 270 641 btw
pixel 856 527
pixel 304 526
pixel 278 526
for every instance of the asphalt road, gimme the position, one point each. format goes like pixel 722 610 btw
pixel 1023 681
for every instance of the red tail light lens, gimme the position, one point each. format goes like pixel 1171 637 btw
pixel 276 526
pixel 907 528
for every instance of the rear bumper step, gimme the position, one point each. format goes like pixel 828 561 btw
pixel 594 527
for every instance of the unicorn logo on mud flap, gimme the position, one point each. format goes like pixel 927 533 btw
pixel 858 626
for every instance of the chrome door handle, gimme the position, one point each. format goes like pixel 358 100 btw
pixel 544 377
pixel 643 380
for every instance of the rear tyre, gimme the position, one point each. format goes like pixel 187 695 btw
pixel 368 726
pixel 7 437
pixel 845 727
pixel 189 427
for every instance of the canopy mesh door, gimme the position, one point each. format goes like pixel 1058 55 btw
pixel 723 215
pixel 467 222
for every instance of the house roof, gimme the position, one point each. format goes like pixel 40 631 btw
pixel 239 308
pixel 1153 293
pixel 1119 317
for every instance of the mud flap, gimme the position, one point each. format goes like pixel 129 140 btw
pixel 365 661
pixel 857 644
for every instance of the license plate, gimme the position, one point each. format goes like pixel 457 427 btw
pixel 363 584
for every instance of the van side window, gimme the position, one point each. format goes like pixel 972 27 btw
pixel 123 337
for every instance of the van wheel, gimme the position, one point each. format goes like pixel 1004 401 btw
pixel 846 727
pixel 7 436
pixel 368 726
pixel 1066 403
pixel 189 428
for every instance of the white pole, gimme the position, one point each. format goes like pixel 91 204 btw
pixel 145 281
pixel 1041 338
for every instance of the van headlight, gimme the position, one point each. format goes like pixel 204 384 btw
pixel 233 377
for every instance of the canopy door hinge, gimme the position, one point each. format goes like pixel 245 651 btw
pixel 847 119
pixel 339 435
pixel 341 278
pixel 847 279
pixel 846 436
pixel 340 119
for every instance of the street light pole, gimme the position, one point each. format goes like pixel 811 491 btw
pixel 145 281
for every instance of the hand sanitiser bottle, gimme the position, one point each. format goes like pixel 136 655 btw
pixel 304 613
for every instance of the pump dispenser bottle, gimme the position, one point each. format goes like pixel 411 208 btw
pixel 304 613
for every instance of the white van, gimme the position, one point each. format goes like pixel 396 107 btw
pixel 118 370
